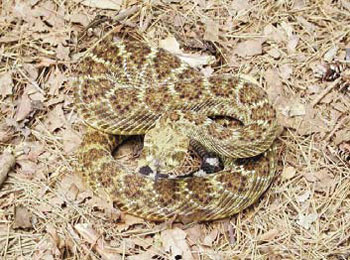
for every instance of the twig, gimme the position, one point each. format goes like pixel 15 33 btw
pixel 325 92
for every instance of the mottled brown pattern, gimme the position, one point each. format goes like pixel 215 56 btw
pixel 124 87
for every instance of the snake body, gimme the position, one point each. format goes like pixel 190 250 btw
pixel 129 88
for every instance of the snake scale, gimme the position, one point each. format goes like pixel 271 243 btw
pixel 125 87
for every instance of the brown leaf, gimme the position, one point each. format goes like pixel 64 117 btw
pixel 71 140
pixel 102 4
pixel 55 81
pixel 6 84
pixel 240 5
pixel 55 118
pixel 288 172
pixel 274 85
pixel 285 71
pixel 211 31
pixel 249 48
pixel 24 107
pixel 274 53
pixel 79 18
pixel 102 247
pixel 174 242
pixel 273 34
pixel 209 239
pixel 195 234
pixel 28 168
pixel 62 53
pixel 23 218
pixel 306 220
pixel 269 235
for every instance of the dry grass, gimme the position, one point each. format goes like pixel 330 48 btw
pixel 46 212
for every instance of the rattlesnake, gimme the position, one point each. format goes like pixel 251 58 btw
pixel 124 87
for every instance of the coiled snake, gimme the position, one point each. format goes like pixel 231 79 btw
pixel 129 88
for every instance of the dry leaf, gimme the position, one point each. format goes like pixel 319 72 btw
pixel 296 109
pixel 209 239
pixel 28 168
pixel 274 86
pixel 273 34
pixel 211 31
pixel 240 5
pixel 62 53
pixel 195 234
pixel 23 218
pixel 31 71
pixel 71 140
pixel 55 81
pixel 24 107
pixel 249 48
pixel 303 197
pixel 330 54
pixel 274 53
pixel 79 18
pixel 269 235
pixel 102 247
pixel 174 242
pixel 285 71
pixel 170 44
pixel 102 4
pixel 288 172
pixel 346 4
pixel 306 220
pixel 6 84
pixel 55 118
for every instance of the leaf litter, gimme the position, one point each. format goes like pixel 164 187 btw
pixel 46 212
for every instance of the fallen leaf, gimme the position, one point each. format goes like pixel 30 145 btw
pixel 346 4
pixel 28 168
pixel 305 24
pixel 71 140
pixel 285 71
pixel 96 241
pixel 249 48
pixel 79 19
pixel 209 239
pixel 170 44
pixel 31 71
pixel 211 32
pixel 62 53
pixel 174 242
pixel 6 84
pixel 296 109
pixel 23 218
pixel 330 54
pixel 306 220
pixel 55 81
pixel 270 235
pixel 274 53
pixel 303 197
pixel 288 172
pixel 195 234
pixel 274 84
pixel 24 107
pixel 240 5
pixel 55 118
pixel 102 4
pixel 274 34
